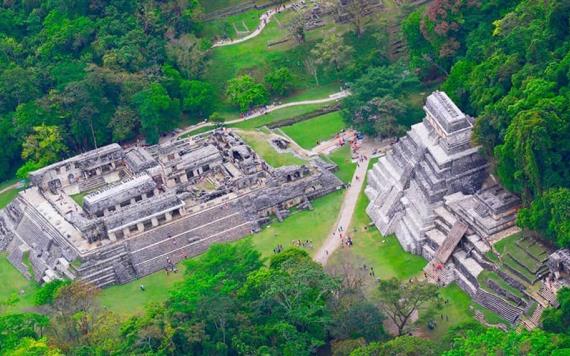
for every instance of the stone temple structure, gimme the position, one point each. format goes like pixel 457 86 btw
pixel 432 191
pixel 112 215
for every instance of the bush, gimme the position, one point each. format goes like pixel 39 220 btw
pixel 48 292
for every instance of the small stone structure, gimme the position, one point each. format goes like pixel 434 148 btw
pixel 432 191
pixel 146 208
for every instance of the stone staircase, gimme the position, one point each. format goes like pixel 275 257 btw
pixel 549 296
pixel 92 184
pixel 499 306
pixel 446 249
pixel 101 271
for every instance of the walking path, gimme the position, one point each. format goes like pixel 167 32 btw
pixel 334 241
pixel 263 21
pixel 267 109
pixel 10 187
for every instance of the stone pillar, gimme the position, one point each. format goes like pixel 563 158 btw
pixel 112 236
pixel 98 171
pixel 117 207
pixel 133 201
pixel 168 216
pixel 154 221
pixel 126 232
pixel 140 227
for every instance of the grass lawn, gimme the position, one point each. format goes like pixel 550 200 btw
pixel 312 225
pixel 7 197
pixel 79 198
pixel 128 299
pixel 10 194
pixel 343 159
pixel 12 283
pixel 321 128
pixel 258 141
pixel 313 92
pixel 260 121
pixel 8 183
pixel 245 22
pixel 383 253
pixel 486 275
pixel 278 115
pixel 256 58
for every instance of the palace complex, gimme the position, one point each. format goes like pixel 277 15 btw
pixel 114 214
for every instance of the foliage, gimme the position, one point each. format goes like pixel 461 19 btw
pixel 438 35
pixel 279 81
pixel 48 292
pixel 157 111
pixel 197 97
pixel 402 345
pixel 15 327
pixel 246 93
pixel 77 64
pixel 549 214
pixel 332 52
pixel 374 106
pixel 380 116
pixel 78 325
pixel 557 320
pixel 399 300
pixel 44 146
pixel 493 341
pixel 515 79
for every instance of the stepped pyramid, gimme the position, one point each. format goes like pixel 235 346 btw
pixel 433 160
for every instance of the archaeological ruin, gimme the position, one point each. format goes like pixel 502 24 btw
pixel 433 191
pixel 114 214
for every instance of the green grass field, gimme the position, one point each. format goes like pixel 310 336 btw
pixel 278 115
pixel 256 58
pixel 342 157
pixel 7 196
pixel 320 220
pixel 245 23
pixel 128 299
pixel 14 285
pixel 79 198
pixel 371 248
pixel 258 141
pixel 321 128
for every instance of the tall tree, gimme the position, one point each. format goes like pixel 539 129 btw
pixel 158 112
pixel 399 300
pixel 332 52
pixel 549 214
pixel 246 93
pixel 44 146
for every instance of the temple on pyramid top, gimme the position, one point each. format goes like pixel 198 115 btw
pixel 433 192
pixel 433 160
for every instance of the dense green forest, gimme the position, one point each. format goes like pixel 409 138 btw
pixel 96 72
pixel 78 74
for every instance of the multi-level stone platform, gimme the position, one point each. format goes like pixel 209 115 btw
pixel 112 215
pixel 432 191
